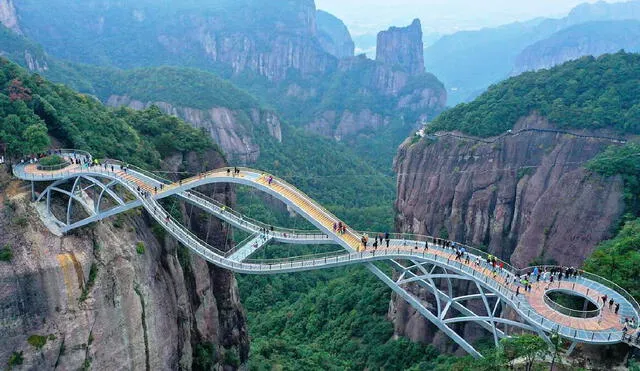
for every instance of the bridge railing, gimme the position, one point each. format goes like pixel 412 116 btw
pixel 475 252
pixel 595 278
pixel 281 182
pixel 277 231
pixel 569 311
pixel 297 259
pixel 241 244
pixel 147 173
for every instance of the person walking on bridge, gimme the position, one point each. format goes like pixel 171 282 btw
pixel 386 238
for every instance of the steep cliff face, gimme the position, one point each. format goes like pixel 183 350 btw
pixel 591 38
pixel 525 196
pixel 334 36
pixel 231 129
pixel 159 309
pixel 8 16
pixel 402 46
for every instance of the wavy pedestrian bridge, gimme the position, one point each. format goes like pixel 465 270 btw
pixel 448 292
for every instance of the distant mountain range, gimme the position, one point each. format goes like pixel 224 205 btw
pixel 469 61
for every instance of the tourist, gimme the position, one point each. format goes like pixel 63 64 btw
pixel 617 308
pixel 610 303
pixel 604 299
pixel 386 238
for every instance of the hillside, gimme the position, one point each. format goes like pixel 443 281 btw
pixel 590 93
pixel 31 105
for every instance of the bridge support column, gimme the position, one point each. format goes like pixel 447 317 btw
pixel 572 347
pixel 33 191
pixel 48 202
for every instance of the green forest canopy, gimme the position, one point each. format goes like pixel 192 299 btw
pixel 33 109
pixel 588 93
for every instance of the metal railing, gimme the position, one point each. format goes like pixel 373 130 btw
pixel 568 311
pixel 242 219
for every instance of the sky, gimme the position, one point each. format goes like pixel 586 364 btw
pixel 442 16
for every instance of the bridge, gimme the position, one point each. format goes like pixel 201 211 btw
pixel 460 291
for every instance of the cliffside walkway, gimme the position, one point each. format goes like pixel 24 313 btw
pixel 490 299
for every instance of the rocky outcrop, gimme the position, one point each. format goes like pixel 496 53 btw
pixel 232 130
pixel 421 95
pixel 8 16
pixel 526 197
pixel 35 64
pixel 333 35
pixel 591 38
pixel 402 46
pixel 347 124
pixel 242 53
pixel 91 299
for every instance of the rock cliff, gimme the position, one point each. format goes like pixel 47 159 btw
pixel 91 299
pixel 524 196
pixel 233 130
pixel 402 46
pixel 8 16
pixel 269 42
pixel 334 36
pixel 383 95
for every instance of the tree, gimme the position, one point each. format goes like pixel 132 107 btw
pixel 556 348
pixel 36 139
pixel 529 347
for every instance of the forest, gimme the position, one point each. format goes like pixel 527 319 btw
pixel 588 93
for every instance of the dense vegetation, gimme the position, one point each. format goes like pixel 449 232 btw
pixel 185 87
pixel 34 109
pixel 589 93
pixel 619 258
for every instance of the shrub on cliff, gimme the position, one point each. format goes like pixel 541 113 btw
pixel 5 253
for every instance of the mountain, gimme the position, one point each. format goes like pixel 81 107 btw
pixel 334 36
pixel 511 171
pixel 469 61
pixel 286 68
pixel 590 38
pixel 89 299
pixel 402 47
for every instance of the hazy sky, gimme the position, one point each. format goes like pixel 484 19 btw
pixel 444 16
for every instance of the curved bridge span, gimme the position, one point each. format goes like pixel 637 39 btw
pixel 459 291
